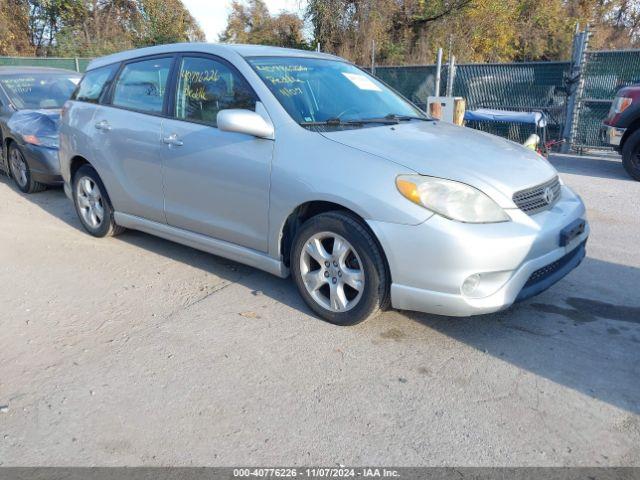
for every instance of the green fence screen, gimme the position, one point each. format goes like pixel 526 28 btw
pixel 534 86
pixel 79 64
pixel 605 72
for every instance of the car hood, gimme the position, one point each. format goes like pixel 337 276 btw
pixel 492 164
pixel 35 122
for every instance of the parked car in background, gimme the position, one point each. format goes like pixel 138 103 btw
pixel 30 103
pixel 299 162
pixel 621 128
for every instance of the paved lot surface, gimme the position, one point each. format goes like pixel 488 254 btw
pixel 138 351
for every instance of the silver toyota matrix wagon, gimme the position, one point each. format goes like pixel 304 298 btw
pixel 300 163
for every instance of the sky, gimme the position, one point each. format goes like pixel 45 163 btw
pixel 212 14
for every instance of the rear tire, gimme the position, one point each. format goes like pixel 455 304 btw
pixel 631 155
pixel 93 205
pixel 339 269
pixel 21 173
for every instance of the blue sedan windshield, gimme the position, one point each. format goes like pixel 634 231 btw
pixel 36 91
pixel 316 90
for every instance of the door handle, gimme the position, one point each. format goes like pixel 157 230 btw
pixel 172 140
pixel 103 125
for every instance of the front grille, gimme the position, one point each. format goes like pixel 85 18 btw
pixel 546 276
pixel 536 199
pixel 548 270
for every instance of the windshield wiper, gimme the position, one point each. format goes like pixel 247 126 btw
pixel 332 122
pixel 336 122
pixel 405 118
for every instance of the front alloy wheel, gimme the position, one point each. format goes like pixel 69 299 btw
pixel 339 268
pixel 332 272
pixel 21 173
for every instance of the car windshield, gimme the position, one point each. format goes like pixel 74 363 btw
pixel 39 90
pixel 316 91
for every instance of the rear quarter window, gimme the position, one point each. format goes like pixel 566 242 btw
pixel 94 84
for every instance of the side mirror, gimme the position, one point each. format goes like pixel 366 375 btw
pixel 244 121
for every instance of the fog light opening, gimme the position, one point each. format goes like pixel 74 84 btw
pixel 481 285
pixel 471 284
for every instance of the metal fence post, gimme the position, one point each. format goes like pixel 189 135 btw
pixel 576 87
pixel 451 75
pixel 373 57
pixel 77 64
pixel 438 73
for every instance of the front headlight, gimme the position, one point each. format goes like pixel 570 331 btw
pixel 49 141
pixel 620 104
pixel 453 200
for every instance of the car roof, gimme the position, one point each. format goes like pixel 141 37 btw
pixel 18 69
pixel 213 48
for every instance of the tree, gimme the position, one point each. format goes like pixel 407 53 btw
pixel 96 27
pixel 166 21
pixel 252 23
pixel 89 28
pixel 14 28
pixel 410 31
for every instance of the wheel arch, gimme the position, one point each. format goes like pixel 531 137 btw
pixel 6 142
pixel 75 164
pixel 307 210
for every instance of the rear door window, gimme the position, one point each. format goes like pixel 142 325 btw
pixel 94 84
pixel 142 85
pixel 206 86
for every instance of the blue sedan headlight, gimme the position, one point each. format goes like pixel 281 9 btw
pixel 48 141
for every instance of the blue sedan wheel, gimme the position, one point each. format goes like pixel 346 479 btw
pixel 21 173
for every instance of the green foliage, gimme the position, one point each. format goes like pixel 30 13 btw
pixel 166 21
pixel 87 28
pixel 252 23
pixel 14 20
pixel 410 31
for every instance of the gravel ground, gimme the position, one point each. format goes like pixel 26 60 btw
pixel 138 351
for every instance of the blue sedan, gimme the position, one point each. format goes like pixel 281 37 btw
pixel 30 103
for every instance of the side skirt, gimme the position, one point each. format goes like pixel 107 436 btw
pixel 207 244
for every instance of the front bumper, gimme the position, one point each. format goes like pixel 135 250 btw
pixel 430 262
pixel 611 135
pixel 43 163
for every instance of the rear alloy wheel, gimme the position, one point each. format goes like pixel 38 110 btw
pixel 339 268
pixel 21 172
pixel 92 203
pixel 631 155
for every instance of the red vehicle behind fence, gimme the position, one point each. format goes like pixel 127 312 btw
pixel 621 128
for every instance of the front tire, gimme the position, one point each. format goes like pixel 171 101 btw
pixel 92 203
pixel 631 155
pixel 21 173
pixel 339 269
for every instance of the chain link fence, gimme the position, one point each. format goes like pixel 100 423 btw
pixel 533 86
pixel 604 73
